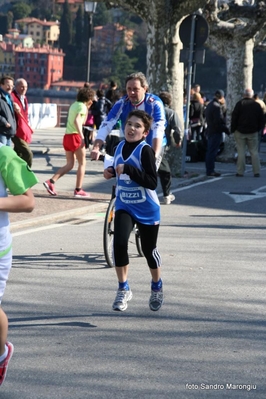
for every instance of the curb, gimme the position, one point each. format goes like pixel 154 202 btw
pixel 59 217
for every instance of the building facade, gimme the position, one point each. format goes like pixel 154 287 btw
pixel 40 66
pixel 7 59
pixel 44 32
pixel 13 36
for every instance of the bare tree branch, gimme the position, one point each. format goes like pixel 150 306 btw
pixel 170 10
pixel 230 19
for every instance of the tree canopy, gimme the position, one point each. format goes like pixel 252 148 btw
pixel 21 10
pixel 65 37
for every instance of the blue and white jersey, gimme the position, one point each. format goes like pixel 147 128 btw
pixel 151 104
pixel 140 202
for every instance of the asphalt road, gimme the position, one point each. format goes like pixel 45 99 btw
pixel 207 341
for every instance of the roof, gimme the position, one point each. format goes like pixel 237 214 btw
pixel 7 47
pixel 29 21
pixel 70 1
pixel 21 36
pixel 45 49
pixel 71 83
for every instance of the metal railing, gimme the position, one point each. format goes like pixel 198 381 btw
pixel 62 113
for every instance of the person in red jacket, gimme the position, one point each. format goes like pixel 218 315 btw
pixel 22 139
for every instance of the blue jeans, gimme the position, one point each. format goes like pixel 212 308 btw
pixel 5 140
pixel 213 144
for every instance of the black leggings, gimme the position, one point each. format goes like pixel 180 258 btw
pixel 123 226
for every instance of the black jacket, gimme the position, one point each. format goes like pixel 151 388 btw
pixel 100 110
pixel 174 126
pixel 247 116
pixel 196 112
pixel 215 118
pixel 7 116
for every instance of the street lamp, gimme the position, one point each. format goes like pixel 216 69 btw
pixel 90 8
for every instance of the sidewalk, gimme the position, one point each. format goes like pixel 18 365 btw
pixel 49 155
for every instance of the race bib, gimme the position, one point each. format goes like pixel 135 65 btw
pixel 132 195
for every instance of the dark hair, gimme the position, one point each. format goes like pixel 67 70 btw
pixel 85 94
pixel 165 97
pixel 113 83
pixel 4 78
pixel 87 85
pixel 146 118
pixel 100 93
pixel 139 76
pixel 219 94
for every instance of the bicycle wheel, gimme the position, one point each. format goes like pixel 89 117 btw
pixel 137 241
pixel 108 233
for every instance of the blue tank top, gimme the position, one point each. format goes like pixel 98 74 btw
pixel 140 202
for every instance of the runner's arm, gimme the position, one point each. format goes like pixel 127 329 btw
pixel 158 127
pixel 106 128
pixel 18 203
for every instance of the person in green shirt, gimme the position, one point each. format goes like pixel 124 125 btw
pixel 16 176
pixel 73 143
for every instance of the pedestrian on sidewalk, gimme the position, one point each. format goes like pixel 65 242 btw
pixel 73 143
pixel 111 93
pixel 136 202
pixel 8 124
pixel 216 125
pixel 247 120
pixel 22 138
pixel 173 133
pixel 15 176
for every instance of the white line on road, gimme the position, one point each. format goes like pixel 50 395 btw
pixel 96 218
pixel 242 197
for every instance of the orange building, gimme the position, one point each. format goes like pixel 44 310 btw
pixel 40 66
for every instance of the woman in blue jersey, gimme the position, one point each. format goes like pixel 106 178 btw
pixel 136 202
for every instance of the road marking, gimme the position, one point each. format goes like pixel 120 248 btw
pixel 96 219
pixel 187 187
pixel 243 197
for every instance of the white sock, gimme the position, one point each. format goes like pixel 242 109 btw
pixel 4 355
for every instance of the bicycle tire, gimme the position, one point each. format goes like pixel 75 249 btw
pixel 138 241
pixel 108 233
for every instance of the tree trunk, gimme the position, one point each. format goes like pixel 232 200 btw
pixel 239 62
pixel 238 53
